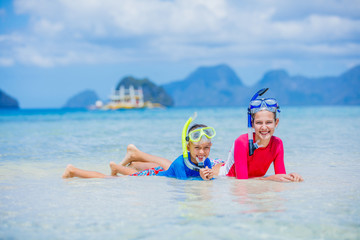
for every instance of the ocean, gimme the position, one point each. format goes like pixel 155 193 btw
pixel 321 143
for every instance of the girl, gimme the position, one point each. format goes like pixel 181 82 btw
pixel 248 161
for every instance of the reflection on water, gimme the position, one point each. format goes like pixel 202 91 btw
pixel 260 196
pixel 196 199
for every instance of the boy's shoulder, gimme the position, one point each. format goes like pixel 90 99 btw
pixel 176 169
pixel 179 161
pixel 179 158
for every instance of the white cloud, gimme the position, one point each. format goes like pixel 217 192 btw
pixel 88 31
pixel 6 62
pixel 45 27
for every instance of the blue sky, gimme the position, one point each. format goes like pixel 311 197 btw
pixel 53 49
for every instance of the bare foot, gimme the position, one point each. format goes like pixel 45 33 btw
pixel 131 151
pixel 113 169
pixel 68 171
pixel 117 168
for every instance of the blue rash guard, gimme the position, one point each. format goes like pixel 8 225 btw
pixel 179 170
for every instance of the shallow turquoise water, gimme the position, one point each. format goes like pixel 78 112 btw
pixel 321 143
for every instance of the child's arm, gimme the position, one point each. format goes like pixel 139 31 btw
pixel 279 165
pixel 279 168
pixel 241 168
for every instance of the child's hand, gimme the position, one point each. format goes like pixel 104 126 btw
pixel 296 177
pixel 292 177
pixel 206 173
pixel 210 173
pixel 279 178
pixel 203 173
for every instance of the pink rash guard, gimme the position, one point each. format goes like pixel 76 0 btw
pixel 246 166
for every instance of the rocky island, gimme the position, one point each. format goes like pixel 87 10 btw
pixel 83 99
pixel 8 102
pixel 129 93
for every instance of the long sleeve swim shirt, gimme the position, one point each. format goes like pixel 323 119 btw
pixel 245 166
pixel 179 170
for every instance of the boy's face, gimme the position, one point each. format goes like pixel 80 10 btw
pixel 200 150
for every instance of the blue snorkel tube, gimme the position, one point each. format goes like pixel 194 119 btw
pixel 253 146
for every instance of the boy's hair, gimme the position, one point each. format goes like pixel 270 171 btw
pixel 196 126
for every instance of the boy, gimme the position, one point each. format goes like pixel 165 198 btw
pixel 198 166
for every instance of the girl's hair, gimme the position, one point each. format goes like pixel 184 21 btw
pixel 196 126
pixel 276 116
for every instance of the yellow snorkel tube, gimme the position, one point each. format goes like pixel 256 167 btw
pixel 183 135
pixel 184 144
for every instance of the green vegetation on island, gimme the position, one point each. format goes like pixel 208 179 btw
pixel 152 92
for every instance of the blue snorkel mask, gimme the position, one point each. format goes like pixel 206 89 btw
pixel 256 105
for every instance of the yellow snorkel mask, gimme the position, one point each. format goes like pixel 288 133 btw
pixel 194 136
pixel 197 134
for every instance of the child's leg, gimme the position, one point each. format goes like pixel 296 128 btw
pixel 72 171
pixel 133 154
pixel 117 168
pixel 141 166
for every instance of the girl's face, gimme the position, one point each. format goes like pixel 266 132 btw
pixel 200 150
pixel 264 125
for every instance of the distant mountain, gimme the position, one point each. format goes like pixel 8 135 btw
pixel 151 91
pixel 220 86
pixel 82 100
pixel 8 102
pixel 300 90
pixel 208 86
